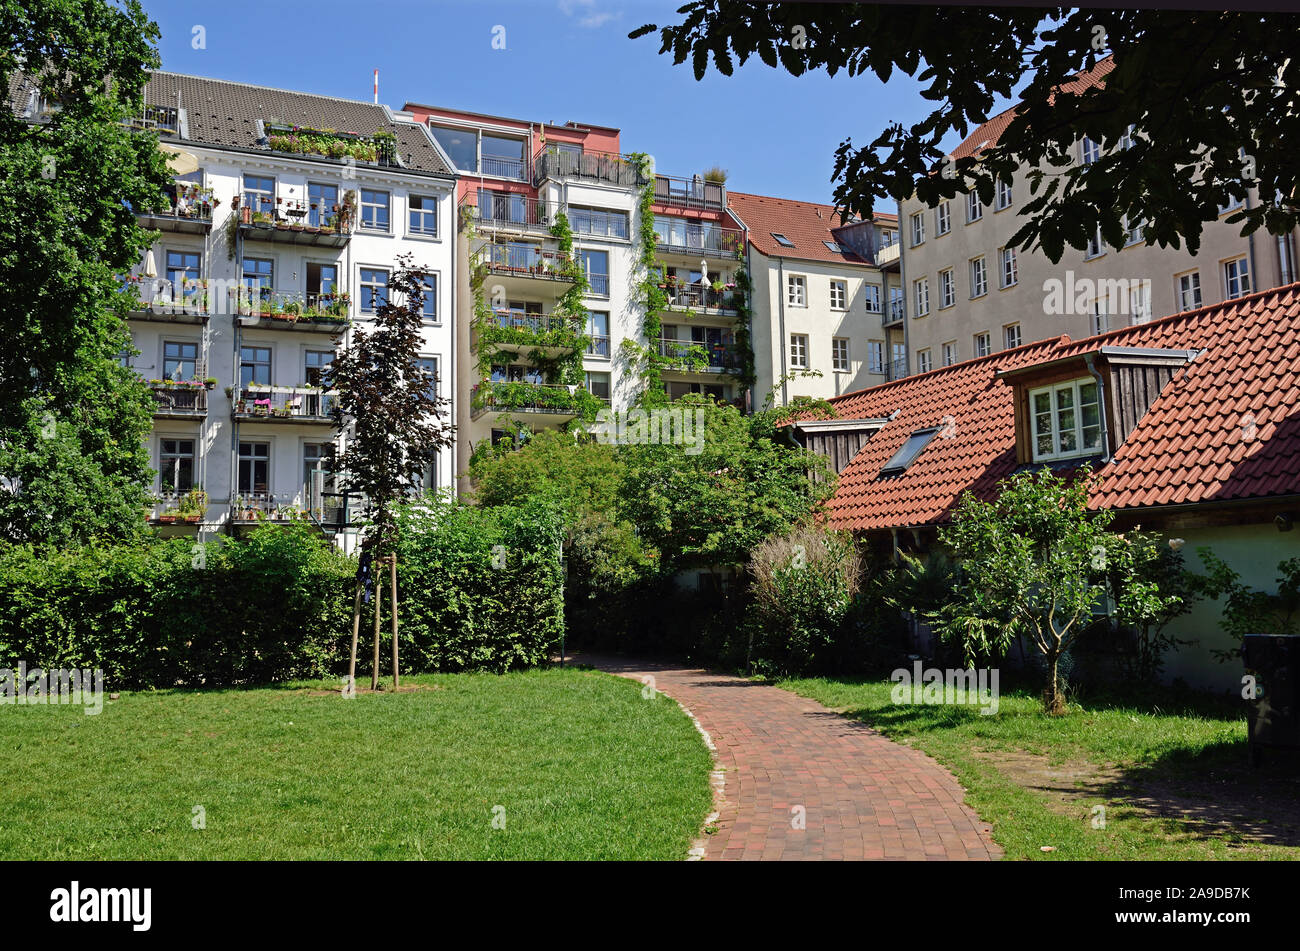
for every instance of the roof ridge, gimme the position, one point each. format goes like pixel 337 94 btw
pixel 280 89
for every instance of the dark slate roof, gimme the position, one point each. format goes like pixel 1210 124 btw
pixel 219 112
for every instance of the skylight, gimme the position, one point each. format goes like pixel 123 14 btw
pixel 832 246
pixel 911 449
pixel 782 239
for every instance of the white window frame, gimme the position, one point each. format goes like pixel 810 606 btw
pixel 1089 151
pixel 1054 388
pixel 840 360
pixel 1003 198
pixel 921 295
pixel 942 218
pixel 1241 278
pixel 1009 271
pixel 923 362
pixel 1010 331
pixel 875 356
pixel 979 277
pixel 982 344
pixel 918 228
pixel 949 352
pixel 843 294
pixel 425 214
pixel 362 205
pixel 1193 279
pixel 798 351
pixel 796 289
pixel 947 288
pixel 872 294
pixel 974 207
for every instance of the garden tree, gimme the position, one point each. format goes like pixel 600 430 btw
pixel 1210 98
pixel 1034 564
pixel 578 472
pixel 1154 561
pixel 72 420
pixel 389 403
pixel 1247 611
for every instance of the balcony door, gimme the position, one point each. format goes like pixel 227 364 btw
pixel 322 282
pixel 322 200
pixel 254 468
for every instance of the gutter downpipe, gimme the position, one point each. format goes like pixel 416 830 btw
pixel 782 346
pixel 1090 360
pixel 1250 250
pixel 902 288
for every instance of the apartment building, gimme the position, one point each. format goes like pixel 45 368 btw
pixel 826 300
pixel 969 295
pixel 288 214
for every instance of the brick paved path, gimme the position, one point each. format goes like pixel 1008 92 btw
pixel 863 796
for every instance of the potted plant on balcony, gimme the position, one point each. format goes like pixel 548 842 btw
pixel 193 505
pixel 210 382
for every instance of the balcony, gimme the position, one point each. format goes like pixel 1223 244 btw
pixel 261 403
pixel 259 506
pixel 544 403
pixel 188 211
pixel 179 508
pixel 598 346
pixel 292 221
pixel 263 308
pixel 696 357
pixel 892 315
pixel 699 298
pixel 527 270
pixel 690 193
pixel 509 212
pixel 518 332
pixel 694 238
pixel 887 256
pixel 378 149
pixel 191 303
pixel 896 369
pixel 612 167
pixel 177 399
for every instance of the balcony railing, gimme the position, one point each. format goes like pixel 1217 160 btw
pixel 264 218
pixel 177 398
pixel 684 352
pixel 598 166
pixel 552 399
pixel 700 296
pixel 681 236
pixel 892 314
pixel 188 301
pixel 504 166
pixel 525 260
pixel 887 255
pixel 597 285
pixel 300 403
pixel 896 369
pixel 326 309
pixel 689 192
pixel 598 346
pixel 262 506
pixel 535 323
pixel 188 208
pixel 510 212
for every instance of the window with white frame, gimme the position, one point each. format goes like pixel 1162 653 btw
pixel 1009 272
pixel 374 209
pixel 875 356
pixel 598 385
pixel 1100 315
pixel 600 222
pixel 950 353
pixel 918 228
pixel 374 289
pixel 1139 301
pixel 943 218
pixel 796 294
pixel 1011 336
pixel 921 296
pixel 259 194
pixel 1089 150
pixel 1003 194
pixel 974 207
pixel 1236 278
pixel 923 361
pixel 983 345
pixel 422 215
pixel 839 295
pixel 1096 247
pixel 180 360
pixel 1126 140
pixel 1065 420
pixel 840 354
pixel 254 468
pixel 947 288
pixel 872 294
pixel 979 277
pixel 1189 290
pixel 254 365
pixel 175 466
pixel 799 351
pixel 1133 232
pixel 1233 204
pixel 429 306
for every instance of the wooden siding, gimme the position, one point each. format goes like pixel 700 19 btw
pixel 839 448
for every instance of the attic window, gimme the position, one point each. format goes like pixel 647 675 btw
pixel 832 246
pixel 1065 419
pixel 911 449
pixel 782 240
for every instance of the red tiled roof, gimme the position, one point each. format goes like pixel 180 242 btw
pixel 1226 427
pixel 806 223
pixel 987 135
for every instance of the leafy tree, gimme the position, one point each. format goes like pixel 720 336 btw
pixel 72 420
pixel 1157 564
pixel 580 473
pixel 1210 98
pixel 1247 611
pixel 1034 564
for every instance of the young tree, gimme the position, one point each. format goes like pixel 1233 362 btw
pixel 1034 564
pixel 72 420
pixel 387 403
pixel 1205 99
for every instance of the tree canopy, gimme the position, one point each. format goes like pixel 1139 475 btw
pixel 1205 100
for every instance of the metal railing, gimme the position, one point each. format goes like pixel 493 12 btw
pixel 259 400
pixel 327 307
pixel 256 209
pixel 188 201
pixel 504 166
pixel 508 210
pixel 696 295
pixel 896 369
pixel 181 398
pixel 508 395
pixel 685 236
pixel 692 192
pixel 725 356
pixel 613 167
pixel 536 323
pixel 598 346
pixel 526 260
pixel 892 314
pixel 598 285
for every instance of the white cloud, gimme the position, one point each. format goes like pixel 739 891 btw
pixel 585 12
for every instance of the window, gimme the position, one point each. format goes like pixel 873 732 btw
pixel 259 277
pixel 1009 274
pixel 430 366
pixel 888 238
pixel 781 239
pixel 1133 232
pixel 598 385
pixel 315 362
pixel 1139 300
pixel 1233 204
pixel 322 284
pixel 595 264
pixel 796 288
pixel 983 346
pixel 598 331
pixel 950 353
pixel 322 205
pixel 923 361
pixel 979 277
pixel 839 295
pixel 1095 246
pixel 175 466
pixel 840 354
pixel 943 218
pixel 974 207
pixel 872 294
pixel 1100 316
pixel 799 351
pixel 461 146
pixel 910 450
pixel 1126 140
pixel 918 228
pixel 180 360
pixel 1189 290
pixel 502 156
pixel 254 468
pixel 947 289
pixel 599 222
pixel 1236 278
pixel 832 246
pixel 875 356
pixel 429 306
pixel 374 209
pixel 259 194
pixel 1011 336
pixel 315 458
pixel 921 292
pixel 422 215
pixel 1089 150
pixel 183 274
pixel 1003 199
pixel 1065 419
pixel 374 289
pixel 254 365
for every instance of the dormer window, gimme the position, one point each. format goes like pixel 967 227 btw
pixel 1066 420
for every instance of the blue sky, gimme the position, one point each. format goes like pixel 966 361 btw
pixel 563 59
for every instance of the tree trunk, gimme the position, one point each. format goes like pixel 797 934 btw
pixel 392 568
pixel 356 634
pixel 379 602
pixel 1053 699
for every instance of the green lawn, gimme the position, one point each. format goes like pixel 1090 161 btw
pixel 1174 785
pixel 584 767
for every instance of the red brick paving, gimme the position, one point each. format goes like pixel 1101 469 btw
pixel 863 796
